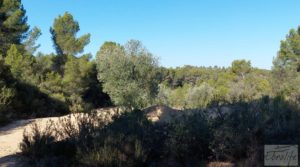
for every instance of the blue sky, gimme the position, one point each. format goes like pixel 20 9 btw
pixel 179 32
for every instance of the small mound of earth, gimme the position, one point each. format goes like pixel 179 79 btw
pixel 161 113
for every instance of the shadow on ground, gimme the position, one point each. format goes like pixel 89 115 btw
pixel 14 126
pixel 10 161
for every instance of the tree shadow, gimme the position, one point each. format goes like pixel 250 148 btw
pixel 234 132
pixel 15 125
pixel 11 161
pixel 33 103
pixel 240 130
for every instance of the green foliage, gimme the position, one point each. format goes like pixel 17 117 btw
pixel 50 84
pixel 20 64
pixel 7 90
pixel 75 74
pixel 13 26
pixel 241 67
pixel 30 42
pixel 22 98
pixel 288 55
pixel 78 88
pixel 64 32
pixel 199 87
pixel 178 97
pixel 189 138
pixel 199 97
pixel 286 67
pixel 128 74
pixel 163 95
pixel 249 88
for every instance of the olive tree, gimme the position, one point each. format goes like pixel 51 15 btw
pixel 128 73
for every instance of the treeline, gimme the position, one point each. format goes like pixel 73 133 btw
pixel 198 87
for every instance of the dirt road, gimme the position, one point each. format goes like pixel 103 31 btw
pixel 11 137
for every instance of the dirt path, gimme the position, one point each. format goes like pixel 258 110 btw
pixel 11 137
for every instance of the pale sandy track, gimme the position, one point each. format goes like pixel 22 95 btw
pixel 11 137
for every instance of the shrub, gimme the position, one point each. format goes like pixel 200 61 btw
pixel 235 135
pixel 188 138
pixel 200 97
pixel 41 148
pixel 130 140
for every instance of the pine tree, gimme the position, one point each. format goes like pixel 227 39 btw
pixel 286 67
pixel 13 24
pixel 65 42
pixel 7 90
pixel 30 42
pixel 64 32
pixel 20 64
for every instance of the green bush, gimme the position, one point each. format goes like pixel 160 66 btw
pixel 188 138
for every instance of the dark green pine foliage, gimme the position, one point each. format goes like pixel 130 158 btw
pixel 64 32
pixel 13 24
pixel 30 42
pixel 7 90
pixel 286 67
pixel 64 38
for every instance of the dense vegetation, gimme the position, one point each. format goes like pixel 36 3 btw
pixel 192 139
pixel 44 85
pixel 264 104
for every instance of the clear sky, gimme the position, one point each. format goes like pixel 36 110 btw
pixel 179 32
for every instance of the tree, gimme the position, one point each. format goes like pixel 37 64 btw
pixel 7 90
pixel 30 42
pixel 288 57
pixel 128 73
pixel 109 48
pixel 241 67
pixel 76 81
pixel 286 67
pixel 20 64
pixel 13 24
pixel 178 97
pixel 64 32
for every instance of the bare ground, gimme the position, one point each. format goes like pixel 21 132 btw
pixel 11 137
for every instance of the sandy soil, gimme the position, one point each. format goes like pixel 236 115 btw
pixel 11 137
